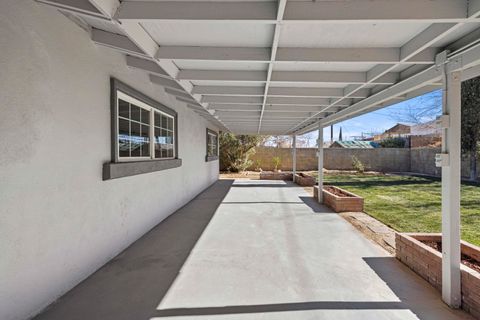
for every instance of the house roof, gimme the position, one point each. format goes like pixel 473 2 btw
pixel 399 129
pixel 281 67
pixel 354 144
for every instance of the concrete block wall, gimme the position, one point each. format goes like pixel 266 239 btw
pixel 417 160
pixel 59 221
pixel 334 158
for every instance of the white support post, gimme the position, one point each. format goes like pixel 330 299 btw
pixel 451 162
pixel 294 155
pixel 320 162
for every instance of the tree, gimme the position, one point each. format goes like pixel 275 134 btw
pixel 235 150
pixel 471 122
pixel 418 110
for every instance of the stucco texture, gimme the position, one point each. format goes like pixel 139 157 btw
pixel 59 221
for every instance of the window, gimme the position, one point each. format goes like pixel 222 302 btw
pixel 212 145
pixel 144 132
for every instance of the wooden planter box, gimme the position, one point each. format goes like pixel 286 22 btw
pixel 304 180
pixel 350 203
pixel 427 263
pixel 270 175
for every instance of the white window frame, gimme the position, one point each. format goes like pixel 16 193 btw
pixel 128 98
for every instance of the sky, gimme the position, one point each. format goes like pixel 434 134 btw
pixel 417 110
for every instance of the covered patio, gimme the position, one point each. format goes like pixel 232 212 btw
pixel 253 249
pixel 119 104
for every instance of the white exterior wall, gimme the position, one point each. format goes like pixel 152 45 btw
pixel 59 221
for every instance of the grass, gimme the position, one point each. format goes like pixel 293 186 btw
pixel 411 204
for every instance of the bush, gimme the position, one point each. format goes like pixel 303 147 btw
pixel 393 143
pixel 276 162
pixel 357 165
pixel 235 151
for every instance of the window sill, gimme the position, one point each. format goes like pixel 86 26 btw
pixel 114 170
pixel 211 158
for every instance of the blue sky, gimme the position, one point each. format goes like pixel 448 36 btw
pixel 423 108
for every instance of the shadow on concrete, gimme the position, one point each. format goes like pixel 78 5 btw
pixel 282 307
pixel 262 185
pixel 131 285
pixel 314 205
pixel 415 293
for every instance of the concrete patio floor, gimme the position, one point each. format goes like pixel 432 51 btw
pixel 253 249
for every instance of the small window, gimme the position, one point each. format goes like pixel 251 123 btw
pixel 143 131
pixel 212 145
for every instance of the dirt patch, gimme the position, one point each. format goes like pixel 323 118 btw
pixel 337 192
pixel 254 175
pixel 466 260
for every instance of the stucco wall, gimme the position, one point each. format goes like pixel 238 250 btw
pixel 59 221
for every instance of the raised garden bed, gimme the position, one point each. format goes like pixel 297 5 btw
pixel 340 200
pixel 420 252
pixel 270 175
pixel 304 180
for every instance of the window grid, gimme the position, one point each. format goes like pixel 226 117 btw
pixel 212 144
pixel 145 127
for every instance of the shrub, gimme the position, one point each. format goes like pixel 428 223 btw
pixel 357 165
pixel 276 162
pixel 393 143
pixel 235 150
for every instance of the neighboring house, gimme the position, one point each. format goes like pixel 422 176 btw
pixel 354 144
pixel 397 131
pixel 420 135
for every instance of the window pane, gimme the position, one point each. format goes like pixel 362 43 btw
pixel 170 124
pixel 145 116
pixel 123 138
pixel 170 152
pixel 145 149
pixel 123 109
pixel 135 139
pixel 164 122
pixel 157 119
pixel 135 112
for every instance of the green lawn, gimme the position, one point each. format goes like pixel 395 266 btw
pixel 411 204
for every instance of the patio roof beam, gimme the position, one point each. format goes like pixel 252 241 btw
pixel 331 77
pixel 334 77
pixel 304 101
pixel 165 82
pixel 232 100
pixel 275 41
pixel 146 65
pixel 313 92
pixel 116 41
pixel 222 75
pixel 228 90
pixel 334 55
pixel 295 12
pixel 83 7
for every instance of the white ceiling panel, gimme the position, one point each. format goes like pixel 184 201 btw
pixel 226 34
pixel 348 35
pixel 227 83
pixel 220 65
pixel 307 85
pixel 460 32
pixel 322 66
